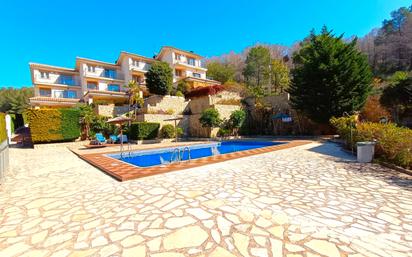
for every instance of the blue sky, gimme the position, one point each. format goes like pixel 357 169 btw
pixel 55 32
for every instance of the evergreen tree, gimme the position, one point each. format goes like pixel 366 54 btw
pixel 330 77
pixel 159 78
pixel 257 70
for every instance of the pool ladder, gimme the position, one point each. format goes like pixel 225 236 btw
pixel 177 154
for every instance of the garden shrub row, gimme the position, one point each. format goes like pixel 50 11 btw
pixel 144 130
pixel 3 133
pixel 53 125
pixel 394 144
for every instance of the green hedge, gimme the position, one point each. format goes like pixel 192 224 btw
pixel 53 125
pixel 144 130
pixel 394 144
pixel 3 133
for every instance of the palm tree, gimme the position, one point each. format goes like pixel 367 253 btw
pixel 87 117
pixel 135 98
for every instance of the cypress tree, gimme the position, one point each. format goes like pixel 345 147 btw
pixel 330 77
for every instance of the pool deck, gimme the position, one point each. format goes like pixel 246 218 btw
pixel 123 171
pixel 312 200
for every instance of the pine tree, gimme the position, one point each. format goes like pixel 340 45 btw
pixel 330 77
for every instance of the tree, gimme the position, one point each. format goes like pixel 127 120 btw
pixel 257 70
pixel 135 99
pixel 279 76
pixel 15 100
pixel 330 77
pixel 236 120
pixel 397 97
pixel 159 78
pixel 210 118
pixel 87 117
pixel 221 72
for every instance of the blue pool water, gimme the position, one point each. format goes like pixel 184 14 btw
pixel 164 156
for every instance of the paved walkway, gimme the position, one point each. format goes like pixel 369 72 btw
pixel 306 201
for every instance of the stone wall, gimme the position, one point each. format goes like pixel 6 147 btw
pixel 158 103
pixel 111 110
pixel 160 118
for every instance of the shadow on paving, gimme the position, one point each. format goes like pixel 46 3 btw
pixel 337 154
pixel 333 150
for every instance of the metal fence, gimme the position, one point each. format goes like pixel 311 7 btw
pixel 4 159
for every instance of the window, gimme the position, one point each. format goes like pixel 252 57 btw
pixel 178 73
pixel 66 80
pixel 58 93
pixel 177 57
pixel 44 75
pixel 70 94
pixel 45 92
pixel 92 85
pixel 136 63
pixel 138 79
pixel 196 75
pixel 110 74
pixel 191 61
pixel 113 87
pixel 91 68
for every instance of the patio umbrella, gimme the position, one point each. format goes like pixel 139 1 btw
pixel 118 121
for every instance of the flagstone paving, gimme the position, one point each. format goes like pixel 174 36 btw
pixel 295 202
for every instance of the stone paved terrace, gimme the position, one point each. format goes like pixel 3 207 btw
pixel 307 201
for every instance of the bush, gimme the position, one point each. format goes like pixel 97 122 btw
pixel 167 131
pixel 53 125
pixel 144 130
pixel 394 144
pixel 3 133
pixel 210 118
pixel 179 93
pixel 223 132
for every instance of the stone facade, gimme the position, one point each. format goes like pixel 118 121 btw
pixel 111 110
pixel 160 118
pixel 158 104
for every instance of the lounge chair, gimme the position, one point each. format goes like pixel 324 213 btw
pixel 100 138
pixel 123 139
pixel 114 139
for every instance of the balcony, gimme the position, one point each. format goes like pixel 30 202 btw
pixel 105 74
pixel 190 64
pixel 58 80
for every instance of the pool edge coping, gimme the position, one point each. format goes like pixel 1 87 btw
pixel 123 171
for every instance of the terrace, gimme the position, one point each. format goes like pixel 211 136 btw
pixel 311 199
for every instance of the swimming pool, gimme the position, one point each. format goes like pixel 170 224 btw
pixel 163 156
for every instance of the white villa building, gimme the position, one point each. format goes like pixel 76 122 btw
pixel 93 80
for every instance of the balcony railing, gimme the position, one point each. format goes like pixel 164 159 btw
pixel 185 62
pixel 110 75
pixel 63 80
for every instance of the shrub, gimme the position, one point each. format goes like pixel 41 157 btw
pixel 53 125
pixel 159 78
pixel 179 131
pixel 394 144
pixel 167 131
pixel 179 93
pixel 237 118
pixel 210 118
pixel 223 132
pixel 3 133
pixel 144 130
